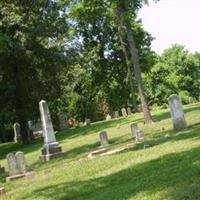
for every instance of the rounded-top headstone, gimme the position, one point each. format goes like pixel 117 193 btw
pixel 21 164
pixel 17 131
pixel 124 112
pixel 134 129
pixel 177 113
pixel 103 138
pixel 12 164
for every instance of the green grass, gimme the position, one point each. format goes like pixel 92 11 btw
pixel 169 169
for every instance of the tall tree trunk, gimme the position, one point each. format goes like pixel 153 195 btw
pixel 124 49
pixel 135 61
pixel 138 76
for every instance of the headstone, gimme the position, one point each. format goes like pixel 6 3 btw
pixel 87 122
pixel 17 166
pixel 12 164
pixel 21 164
pixel 103 138
pixel 139 136
pixel 108 117
pixel 134 128
pixel 129 111
pixel 63 124
pixel 177 113
pixel 116 114
pixel 124 113
pixel 17 132
pixel 51 147
pixel 36 128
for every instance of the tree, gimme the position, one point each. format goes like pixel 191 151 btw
pixel 30 58
pixel 122 8
pixel 175 71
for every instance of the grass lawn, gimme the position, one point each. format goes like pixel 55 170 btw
pixel 169 169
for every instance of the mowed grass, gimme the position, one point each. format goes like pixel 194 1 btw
pixel 169 169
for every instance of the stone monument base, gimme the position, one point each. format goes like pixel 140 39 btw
pixel 12 178
pixel 51 151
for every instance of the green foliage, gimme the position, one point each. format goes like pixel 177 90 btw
pixel 176 71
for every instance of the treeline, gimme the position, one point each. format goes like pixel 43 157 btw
pixel 76 55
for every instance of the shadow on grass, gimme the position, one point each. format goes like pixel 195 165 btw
pixel 176 175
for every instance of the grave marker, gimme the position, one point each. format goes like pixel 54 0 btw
pixel 103 138
pixel 51 147
pixel 17 132
pixel 124 113
pixel 16 166
pixel 177 113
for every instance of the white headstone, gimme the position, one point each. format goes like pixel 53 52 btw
pixel 12 164
pixel 124 113
pixel 51 148
pixel 177 113
pixel 87 122
pixel 21 164
pixel 134 129
pixel 17 132
pixel 108 117
pixel 47 127
pixel 103 138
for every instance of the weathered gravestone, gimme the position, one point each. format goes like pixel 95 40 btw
pixel 16 165
pixel 87 122
pixel 116 114
pixel 139 136
pixel 177 113
pixel 124 113
pixel 51 147
pixel 36 128
pixel 108 117
pixel 17 132
pixel 134 129
pixel 63 125
pixel 103 138
pixel 129 111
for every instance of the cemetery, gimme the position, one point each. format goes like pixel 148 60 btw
pixel 108 157
pixel 98 101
